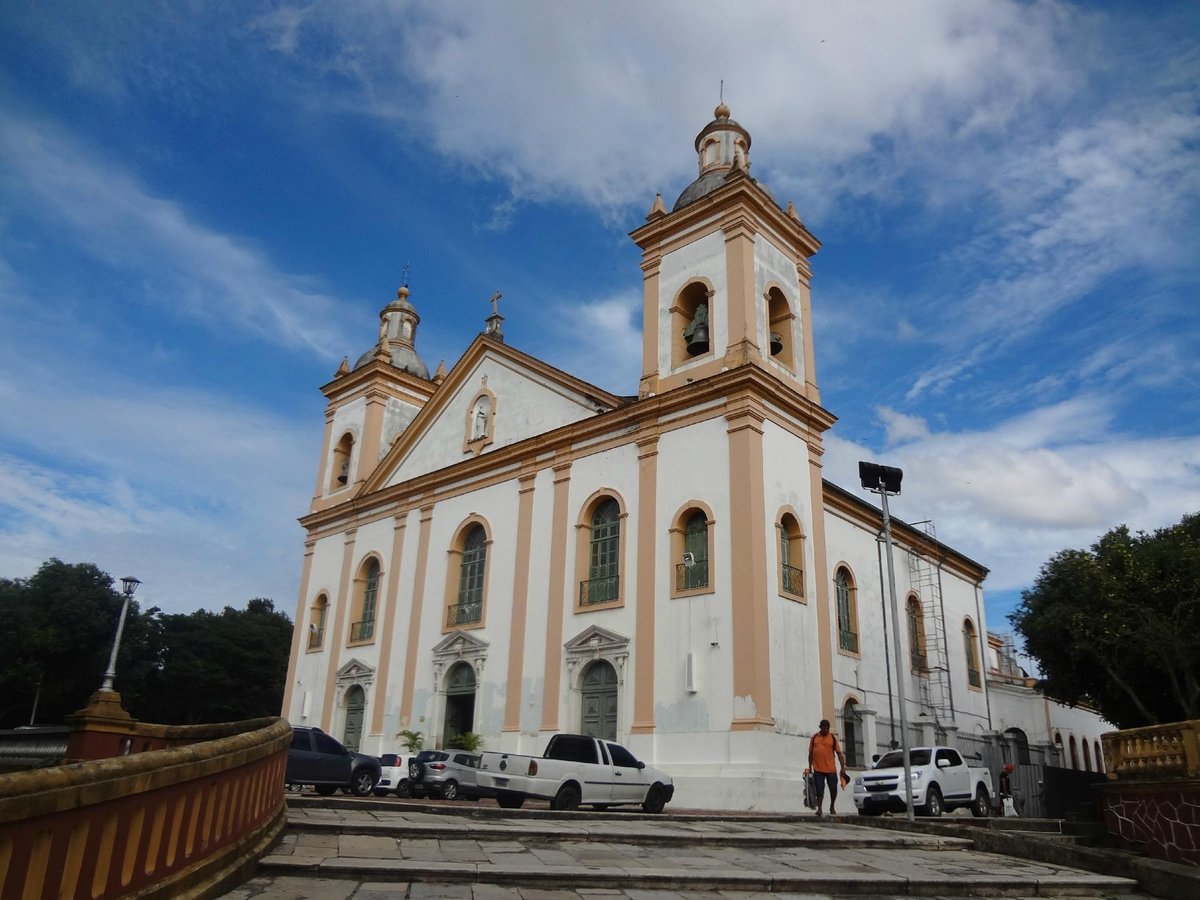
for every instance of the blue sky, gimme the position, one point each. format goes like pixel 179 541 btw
pixel 203 206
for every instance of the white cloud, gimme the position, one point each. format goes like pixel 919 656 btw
pixel 1015 493
pixel 189 269
pixel 599 341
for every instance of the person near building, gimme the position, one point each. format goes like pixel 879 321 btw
pixel 1008 805
pixel 824 755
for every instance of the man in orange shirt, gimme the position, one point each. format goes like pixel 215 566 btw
pixel 824 753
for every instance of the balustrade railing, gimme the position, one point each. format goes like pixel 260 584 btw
pixel 793 580
pixel 599 590
pixel 1153 752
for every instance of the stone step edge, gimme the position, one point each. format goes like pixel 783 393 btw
pixel 964 885
pixel 628 836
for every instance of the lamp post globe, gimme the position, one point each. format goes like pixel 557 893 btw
pixel 129 584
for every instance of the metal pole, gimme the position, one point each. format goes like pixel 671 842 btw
pixel 129 585
pixel 887 537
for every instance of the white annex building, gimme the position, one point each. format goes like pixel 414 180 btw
pixel 508 550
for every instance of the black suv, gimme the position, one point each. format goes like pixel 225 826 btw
pixel 316 758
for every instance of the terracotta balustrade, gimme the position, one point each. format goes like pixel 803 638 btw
pixel 163 823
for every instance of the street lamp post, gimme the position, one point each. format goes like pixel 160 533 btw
pixel 885 480
pixel 129 584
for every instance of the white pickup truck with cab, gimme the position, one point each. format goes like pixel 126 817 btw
pixel 941 781
pixel 574 770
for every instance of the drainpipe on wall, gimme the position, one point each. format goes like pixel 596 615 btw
pixel 983 663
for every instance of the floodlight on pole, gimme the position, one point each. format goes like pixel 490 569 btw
pixel 129 584
pixel 885 480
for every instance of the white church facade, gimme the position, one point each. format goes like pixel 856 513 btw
pixel 507 550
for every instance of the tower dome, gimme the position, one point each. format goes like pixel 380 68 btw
pixel 398 334
pixel 721 145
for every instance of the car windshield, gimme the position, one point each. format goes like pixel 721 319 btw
pixel 895 759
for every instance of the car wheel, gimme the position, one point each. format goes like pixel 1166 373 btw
pixel 982 805
pixel 450 790
pixel 656 799
pixel 362 782
pixel 933 803
pixel 416 771
pixel 566 799
pixel 510 801
pixel 326 790
pixel 404 788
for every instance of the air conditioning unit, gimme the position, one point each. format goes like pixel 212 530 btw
pixel 689 673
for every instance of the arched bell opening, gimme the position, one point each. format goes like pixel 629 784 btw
pixel 690 323
pixel 340 469
pixel 780 321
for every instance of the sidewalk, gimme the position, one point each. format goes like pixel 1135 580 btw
pixel 370 851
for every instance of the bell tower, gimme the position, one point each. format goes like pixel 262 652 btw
pixel 726 275
pixel 371 403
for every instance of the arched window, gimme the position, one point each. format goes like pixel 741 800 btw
pixel 691 551
pixel 916 635
pixel 339 475
pixel 1087 756
pixel 1099 757
pixel 603 583
pixel 469 575
pixel 1074 753
pixel 971 648
pixel 318 616
pixel 365 600
pixel 847 610
pixel 791 557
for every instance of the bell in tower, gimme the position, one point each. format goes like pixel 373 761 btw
pixel 696 331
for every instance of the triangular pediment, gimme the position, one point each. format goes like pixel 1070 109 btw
pixel 526 396
pixel 595 637
pixel 355 670
pixel 460 643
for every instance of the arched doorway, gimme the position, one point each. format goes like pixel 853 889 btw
pixel 460 702
pixel 599 707
pixel 852 725
pixel 1020 745
pixel 356 703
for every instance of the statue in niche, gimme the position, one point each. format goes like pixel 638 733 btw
pixel 696 331
pixel 480 428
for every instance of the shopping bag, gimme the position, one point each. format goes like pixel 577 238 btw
pixel 810 793
pixel 1008 806
pixel 844 779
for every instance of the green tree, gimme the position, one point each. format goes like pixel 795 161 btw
pixel 1116 626
pixel 59 630
pixel 222 667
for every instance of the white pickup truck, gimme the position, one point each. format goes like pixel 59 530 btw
pixel 575 769
pixel 941 781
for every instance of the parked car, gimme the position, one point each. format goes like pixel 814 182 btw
pixel 322 761
pixel 576 769
pixel 448 774
pixel 393 775
pixel 941 781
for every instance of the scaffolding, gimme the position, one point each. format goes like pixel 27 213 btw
pixel 934 684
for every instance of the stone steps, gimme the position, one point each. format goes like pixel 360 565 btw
pixel 509 850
